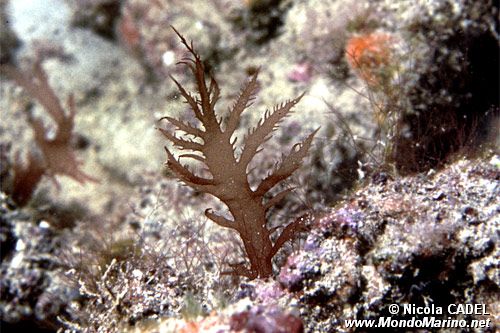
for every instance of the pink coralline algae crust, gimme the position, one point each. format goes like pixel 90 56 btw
pixel 261 319
pixel 301 72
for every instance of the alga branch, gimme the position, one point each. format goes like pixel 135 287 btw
pixel 214 146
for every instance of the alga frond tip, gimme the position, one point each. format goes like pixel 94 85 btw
pixel 214 146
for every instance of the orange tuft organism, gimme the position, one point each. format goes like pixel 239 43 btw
pixel 369 55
